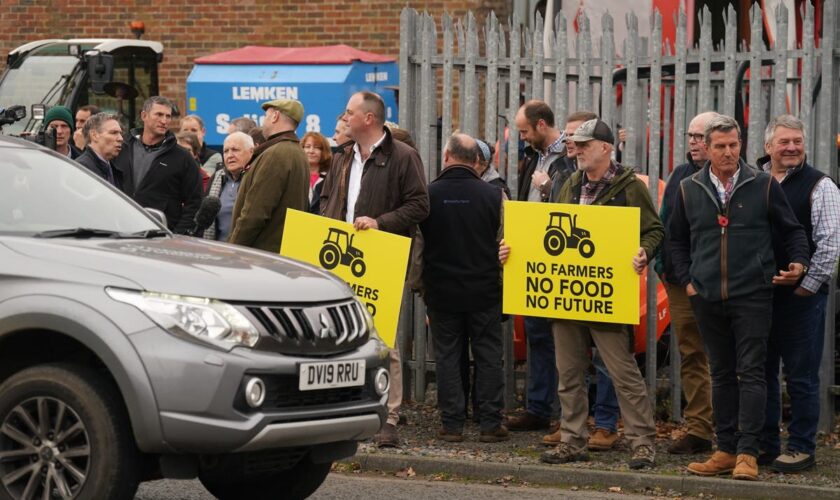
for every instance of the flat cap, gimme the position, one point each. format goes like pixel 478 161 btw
pixel 289 107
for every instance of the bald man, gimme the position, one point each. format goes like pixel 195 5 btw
pixel 462 289
pixel 694 365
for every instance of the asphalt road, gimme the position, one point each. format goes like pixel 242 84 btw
pixel 367 487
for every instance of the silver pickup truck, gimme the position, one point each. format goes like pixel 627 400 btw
pixel 129 354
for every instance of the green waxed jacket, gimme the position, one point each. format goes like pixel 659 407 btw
pixel 624 190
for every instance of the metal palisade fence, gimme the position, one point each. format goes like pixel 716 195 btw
pixel 471 76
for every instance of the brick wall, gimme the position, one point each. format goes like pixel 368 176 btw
pixel 194 28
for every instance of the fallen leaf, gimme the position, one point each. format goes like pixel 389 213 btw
pixel 405 473
pixel 615 489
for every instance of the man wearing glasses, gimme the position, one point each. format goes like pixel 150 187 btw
pixel 694 365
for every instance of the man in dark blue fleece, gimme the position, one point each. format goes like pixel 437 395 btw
pixel 721 247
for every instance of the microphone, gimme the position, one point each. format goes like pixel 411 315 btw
pixel 206 215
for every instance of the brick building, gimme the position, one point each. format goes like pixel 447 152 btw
pixel 194 28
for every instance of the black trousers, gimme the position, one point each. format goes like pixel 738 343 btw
pixel 483 330
pixel 735 333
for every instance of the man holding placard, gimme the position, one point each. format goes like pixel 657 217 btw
pixel 377 182
pixel 600 181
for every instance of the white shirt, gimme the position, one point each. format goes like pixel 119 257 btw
pixel 354 186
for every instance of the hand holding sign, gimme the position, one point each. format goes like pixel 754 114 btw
pixel 362 223
pixel 640 260
pixel 504 252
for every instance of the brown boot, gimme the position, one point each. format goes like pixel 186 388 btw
pixel 746 467
pixel 526 422
pixel 387 437
pixel 719 463
pixel 602 440
pixel 553 439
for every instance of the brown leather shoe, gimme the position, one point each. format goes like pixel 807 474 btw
pixel 387 437
pixel 450 436
pixel 719 463
pixel 690 444
pixel 553 439
pixel 497 435
pixel 746 467
pixel 526 422
pixel 602 440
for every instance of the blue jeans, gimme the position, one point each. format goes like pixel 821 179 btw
pixel 796 339
pixel 542 367
pixel 606 402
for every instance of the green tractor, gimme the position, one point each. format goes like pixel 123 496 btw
pixel 562 232
pixel 338 249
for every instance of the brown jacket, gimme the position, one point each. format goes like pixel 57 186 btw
pixel 277 180
pixel 393 187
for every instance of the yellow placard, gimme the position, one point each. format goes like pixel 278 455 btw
pixel 372 262
pixel 572 262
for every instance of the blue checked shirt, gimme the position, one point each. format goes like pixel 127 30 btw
pixel 825 219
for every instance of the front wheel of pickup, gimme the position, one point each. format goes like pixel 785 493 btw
pixel 64 434
pixel 291 484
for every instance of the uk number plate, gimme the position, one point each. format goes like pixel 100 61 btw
pixel 331 374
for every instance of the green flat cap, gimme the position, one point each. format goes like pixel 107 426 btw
pixel 289 107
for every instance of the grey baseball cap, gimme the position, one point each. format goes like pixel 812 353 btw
pixel 593 130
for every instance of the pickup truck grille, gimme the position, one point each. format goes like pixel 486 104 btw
pixel 310 330
pixel 282 393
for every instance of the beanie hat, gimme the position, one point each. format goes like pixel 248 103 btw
pixel 59 113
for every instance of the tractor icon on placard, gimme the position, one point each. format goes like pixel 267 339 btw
pixel 338 249
pixel 563 232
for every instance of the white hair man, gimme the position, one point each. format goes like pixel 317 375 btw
pixel 238 150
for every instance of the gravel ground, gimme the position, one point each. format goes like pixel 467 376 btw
pixel 422 422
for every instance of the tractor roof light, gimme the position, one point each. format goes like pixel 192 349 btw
pixel 138 28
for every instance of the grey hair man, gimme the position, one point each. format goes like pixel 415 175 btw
pixel 721 244
pixel 601 181
pixel 391 196
pixel 462 289
pixel 105 141
pixel 156 172
pixel 797 330
pixel 238 150
pixel 278 180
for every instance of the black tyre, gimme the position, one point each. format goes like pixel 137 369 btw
pixel 358 268
pixel 586 248
pixel 554 243
pixel 329 256
pixel 291 484
pixel 64 434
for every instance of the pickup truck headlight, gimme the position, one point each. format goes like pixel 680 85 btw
pixel 210 320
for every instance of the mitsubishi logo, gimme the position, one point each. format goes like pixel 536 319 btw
pixel 325 327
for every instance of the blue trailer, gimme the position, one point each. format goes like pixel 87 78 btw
pixel 232 84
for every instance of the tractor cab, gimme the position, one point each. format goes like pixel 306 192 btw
pixel 115 75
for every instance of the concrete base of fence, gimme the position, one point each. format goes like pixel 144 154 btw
pixel 561 476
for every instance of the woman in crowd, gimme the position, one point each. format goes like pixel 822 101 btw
pixel 190 142
pixel 318 154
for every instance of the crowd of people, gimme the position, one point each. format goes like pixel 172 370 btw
pixel 745 252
